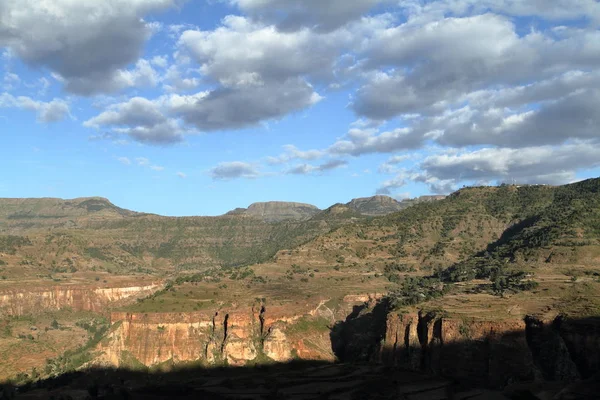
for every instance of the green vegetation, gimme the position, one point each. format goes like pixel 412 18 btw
pixel 73 359
pixel 9 243
pixel 414 290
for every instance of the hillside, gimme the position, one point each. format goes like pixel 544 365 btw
pixel 277 211
pixel 50 208
pixel 478 264
pixel 384 205
pixel 529 223
pixel 54 235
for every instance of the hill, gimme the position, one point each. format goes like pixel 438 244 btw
pixel 519 224
pixel 277 211
pixel 384 205
pixel 51 208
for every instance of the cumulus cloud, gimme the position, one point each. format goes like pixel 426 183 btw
pixel 47 112
pixel 88 44
pixel 538 164
pixel 181 175
pixel 293 153
pixel 554 10
pixel 556 121
pixel 234 170
pixel 390 166
pixel 260 73
pixel 245 106
pixel 367 141
pixel 124 160
pixel 307 169
pixel 389 186
pixel 242 52
pixel 142 120
pixel 430 73
pixel 296 14
pixel 176 81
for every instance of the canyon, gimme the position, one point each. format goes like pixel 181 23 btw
pixel 17 302
pixel 492 288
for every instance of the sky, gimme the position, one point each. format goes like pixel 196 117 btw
pixel 198 107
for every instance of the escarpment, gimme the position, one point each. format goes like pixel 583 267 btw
pixel 231 337
pixel 20 302
pixel 493 353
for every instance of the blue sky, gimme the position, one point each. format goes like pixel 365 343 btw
pixel 199 107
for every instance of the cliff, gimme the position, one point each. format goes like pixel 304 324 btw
pixel 221 337
pixel 493 353
pixel 20 302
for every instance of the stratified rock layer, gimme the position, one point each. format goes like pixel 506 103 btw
pixel 232 337
pixel 20 302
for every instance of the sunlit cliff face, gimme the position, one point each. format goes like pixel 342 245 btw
pixel 20 302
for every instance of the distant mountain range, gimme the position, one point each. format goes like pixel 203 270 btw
pixel 92 231
pixel 276 211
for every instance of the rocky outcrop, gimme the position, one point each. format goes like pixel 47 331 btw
pixel 276 211
pixel 276 344
pixel 20 302
pixel 232 337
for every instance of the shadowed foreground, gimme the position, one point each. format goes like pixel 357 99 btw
pixel 295 380
pixel 385 355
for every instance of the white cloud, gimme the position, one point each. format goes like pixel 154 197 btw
pixel 124 160
pixel 142 120
pixel 52 111
pixel 143 161
pixel 366 141
pixel 242 107
pixel 296 14
pixel 306 169
pixel 85 43
pixel 234 170
pixel 181 175
pixel 293 153
pixel 11 81
pixel 160 61
pixel 540 164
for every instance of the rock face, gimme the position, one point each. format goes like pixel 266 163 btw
pixel 232 337
pixel 492 353
pixel 276 211
pixel 78 298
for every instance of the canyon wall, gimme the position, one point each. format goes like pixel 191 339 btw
pixel 20 302
pixel 493 353
pixel 232 337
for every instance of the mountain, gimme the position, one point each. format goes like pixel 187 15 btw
pixel 51 208
pixel 517 224
pixel 383 205
pixel 92 233
pixel 375 206
pixel 277 211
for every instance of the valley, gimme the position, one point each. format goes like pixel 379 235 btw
pixel 490 287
